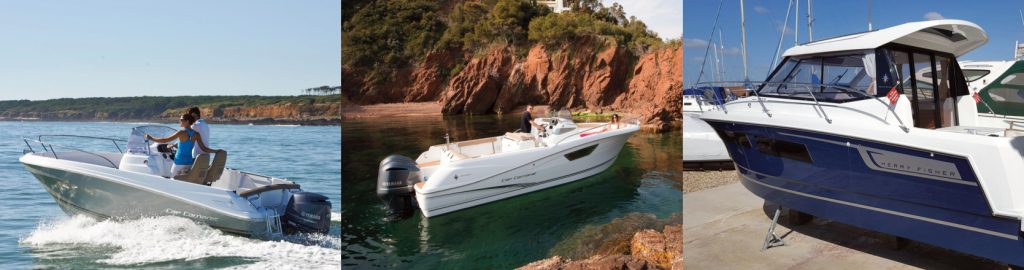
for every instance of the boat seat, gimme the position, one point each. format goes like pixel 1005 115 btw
pixel 519 136
pixel 216 168
pixel 197 174
pixel 429 163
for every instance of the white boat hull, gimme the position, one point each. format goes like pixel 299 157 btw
pixel 519 172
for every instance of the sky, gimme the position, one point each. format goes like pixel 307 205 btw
pixel 661 16
pixel 1000 19
pixel 104 48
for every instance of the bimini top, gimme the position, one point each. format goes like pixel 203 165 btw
pixel 954 36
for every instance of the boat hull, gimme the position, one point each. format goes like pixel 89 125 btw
pixel 917 194
pixel 524 175
pixel 86 192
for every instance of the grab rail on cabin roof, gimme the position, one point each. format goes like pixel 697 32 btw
pixel 807 88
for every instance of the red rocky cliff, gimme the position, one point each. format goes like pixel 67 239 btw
pixel 594 74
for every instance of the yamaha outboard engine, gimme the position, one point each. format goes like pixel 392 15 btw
pixel 308 212
pixel 395 179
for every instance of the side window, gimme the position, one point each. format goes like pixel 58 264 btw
pixel 806 73
pixel 1016 79
pixel 946 99
pixel 780 76
pixel 1006 95
pixel 924 92
pixel 845 71
pixel 902 63
pixel 975 74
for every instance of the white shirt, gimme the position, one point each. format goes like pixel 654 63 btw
pixel 204 132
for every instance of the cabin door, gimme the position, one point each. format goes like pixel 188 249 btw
pixel 926 82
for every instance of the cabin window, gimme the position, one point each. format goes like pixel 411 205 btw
pixel 946 100
pixel 834 78
pixel 574 155
pixel 1016 79
pixel 784 149
pixel 1006 95
pixel 924 92
pixel 974 74
pixel 930 81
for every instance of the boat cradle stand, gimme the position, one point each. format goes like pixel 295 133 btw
pixel 771 239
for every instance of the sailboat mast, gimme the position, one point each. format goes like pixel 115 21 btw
pixel 810 21
pixel 869 15
pixel 796 25
pixel 743 30
pixel 721 51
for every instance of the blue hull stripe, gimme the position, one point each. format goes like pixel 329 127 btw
pixel 906 215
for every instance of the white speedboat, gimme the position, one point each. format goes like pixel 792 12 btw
pixel 458 175
pixel 135 181
pixel 878 130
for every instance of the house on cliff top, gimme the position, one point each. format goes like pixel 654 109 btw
pixel 558 6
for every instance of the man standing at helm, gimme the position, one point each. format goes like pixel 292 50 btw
pixel 201 127
pixel 527 121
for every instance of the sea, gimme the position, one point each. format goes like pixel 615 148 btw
pixel 35 233
pixel 641 190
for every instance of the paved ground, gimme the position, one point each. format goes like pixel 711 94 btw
pixel 725 226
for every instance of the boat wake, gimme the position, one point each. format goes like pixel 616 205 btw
pixel 163 239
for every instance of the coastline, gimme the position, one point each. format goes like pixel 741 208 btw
pixel 260 122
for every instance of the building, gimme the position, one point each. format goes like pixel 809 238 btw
pixel 556 5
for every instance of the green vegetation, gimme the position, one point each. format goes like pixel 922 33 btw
pixel 384 36
pixel 148 107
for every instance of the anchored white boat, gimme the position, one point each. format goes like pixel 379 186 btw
pixel 454 176
pixel 136 181
pixel 878 130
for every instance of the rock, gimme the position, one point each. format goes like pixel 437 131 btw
pixel 428 77
pixel 658 248
pixel 655 91
pixel 476 87
pixel 596 262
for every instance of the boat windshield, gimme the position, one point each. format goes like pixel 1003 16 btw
pixel 832 78
pixel 137 139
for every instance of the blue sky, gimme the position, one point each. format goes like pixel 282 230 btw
pixel 1000 19
pixel 661 16
pixel 51 49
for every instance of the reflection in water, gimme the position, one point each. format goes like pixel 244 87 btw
pixel 646 178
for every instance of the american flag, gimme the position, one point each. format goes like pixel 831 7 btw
pixel 893 96
pixel 977 97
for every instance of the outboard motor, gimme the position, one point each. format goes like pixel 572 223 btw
pixel 395 179
pixel 308 212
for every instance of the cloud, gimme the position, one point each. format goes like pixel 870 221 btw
pixel 695 43
pixel 732 51
pixel 760 10
pixel 933 16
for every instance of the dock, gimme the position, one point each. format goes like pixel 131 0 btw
pixel 725 228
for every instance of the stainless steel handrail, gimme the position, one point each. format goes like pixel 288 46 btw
pixel 808 86
pixel 54 152
pixel 40 139
pixel 634 120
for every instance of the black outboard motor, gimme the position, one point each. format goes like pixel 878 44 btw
pixel 307 212
pixel 395 179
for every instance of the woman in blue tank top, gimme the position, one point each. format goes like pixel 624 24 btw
pixel 187 139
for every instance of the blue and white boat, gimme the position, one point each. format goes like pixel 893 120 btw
pixel 878 130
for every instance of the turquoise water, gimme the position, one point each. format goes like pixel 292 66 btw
pixel 646 178
pixel 37 234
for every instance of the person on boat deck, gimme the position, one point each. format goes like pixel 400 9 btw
pixel 527 122
pixel 615 121
pixel 187 139
pixel 201 127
